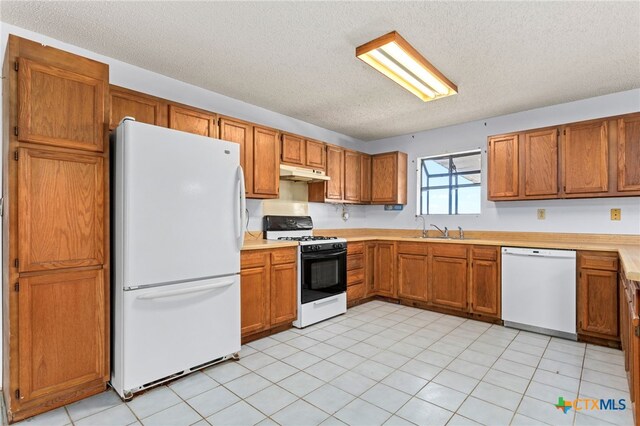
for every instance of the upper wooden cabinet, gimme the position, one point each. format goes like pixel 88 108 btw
pixel 293 150
pixel 331 191
pixel 629 153
pixel 365 178
pixel 389 178
pixel 541 162
pixel 129 103
pixel 352 176
pixel 585 158
pixel 191 120
pixel 60 102
pixel 502 154
pixel 259 155
pixel 596 158
pixel 316 155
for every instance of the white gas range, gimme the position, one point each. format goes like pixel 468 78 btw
pixel 322 268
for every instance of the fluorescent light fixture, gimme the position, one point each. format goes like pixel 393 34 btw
pixel 394 57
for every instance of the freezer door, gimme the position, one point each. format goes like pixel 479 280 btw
pixel 172 328
pixel 181 213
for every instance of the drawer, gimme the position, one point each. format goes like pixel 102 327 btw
pixel 281 256
pixel 355 275
pixel 253 259
pixel 485 253
pixel 449 250
pixel 595 260
pixel 355 248
pixel 413 248
pixel 355 261
pixel 355 292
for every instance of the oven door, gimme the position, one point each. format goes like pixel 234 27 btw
pixel 323 274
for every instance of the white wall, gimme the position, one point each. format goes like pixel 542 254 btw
pixel 582 216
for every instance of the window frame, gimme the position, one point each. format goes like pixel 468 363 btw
pixel 452 187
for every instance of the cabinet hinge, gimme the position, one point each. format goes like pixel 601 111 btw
pixel 15 155
pixel 16 263
pixel 637 330
pixel 15 65
pixel 580 274
pixel 17 393
pixel 16 287
pixel 564 132
pixel 15 130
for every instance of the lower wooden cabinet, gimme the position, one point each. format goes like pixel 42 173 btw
pixel 385 269
pixel 412 265
pixel 484 285
pixel 448 282
pixel 629 294
pixel 355 273
pixel 268 289
pixel 598 295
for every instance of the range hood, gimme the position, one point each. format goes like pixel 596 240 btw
pixel 301 174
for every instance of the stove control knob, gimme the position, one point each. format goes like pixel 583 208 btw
pixel 337 246
pixel 316 247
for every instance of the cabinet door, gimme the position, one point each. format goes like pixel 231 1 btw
pixel 266 163
pixel 369 268
pixel 629 153
pixel 503 170
pixel 61 210
pixel 192 121
pixel 242 134
pixel 384 178
pixel 335 170
pixel 293 150
pixel 485 287
pixel 448 282
pixel 412 276
pixel 585 157
pixel 352 176
pixel 144 108
pixel 254 296
pixel 63 334
pixel 60 107
pixel 541 162
pixel 284 293
pixel 598 303
pixel 384 278
pixel 365 178
pixel 316 155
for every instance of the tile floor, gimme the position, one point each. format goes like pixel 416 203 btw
pixel 380 363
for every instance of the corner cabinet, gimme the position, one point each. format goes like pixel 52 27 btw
pixel 595 158
pixel 56 228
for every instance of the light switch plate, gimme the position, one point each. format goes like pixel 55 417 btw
pixel 542 214
pixel 616 214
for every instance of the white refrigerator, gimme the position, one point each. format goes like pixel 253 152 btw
pixel 178 215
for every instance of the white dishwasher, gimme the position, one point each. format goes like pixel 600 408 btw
pixel 539 290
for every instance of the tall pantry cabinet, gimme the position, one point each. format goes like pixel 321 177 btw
pixel 56 228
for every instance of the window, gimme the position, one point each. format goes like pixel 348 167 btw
pixel 449 184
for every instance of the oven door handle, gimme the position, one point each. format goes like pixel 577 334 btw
pixel 306 256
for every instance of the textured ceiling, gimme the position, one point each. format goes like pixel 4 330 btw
pixel 297 58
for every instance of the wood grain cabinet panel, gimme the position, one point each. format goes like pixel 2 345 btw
pixel 242 134
pixel 629 153
pixel 369 268
pixel 597 298
pixel 60 107
pixel 585 157
pixel 352 176
pixel 284 293
pixel 541 162
pixel 485 286
pixel 192 121
pixel 142 107
pixel 412 276
pixel 389 178
pixel 448 282
pixel 365 178
pixel 293 150
pixel 335 170
pixel 316 155
pixel 385 269
pixel 255 299
pixel 62 332
pixel 503 169
pixel 266 163
pixel 61 210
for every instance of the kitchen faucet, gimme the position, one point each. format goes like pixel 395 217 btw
pixel 424 230
pixel 461 233
pixel 445 233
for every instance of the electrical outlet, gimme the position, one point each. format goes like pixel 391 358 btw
pixel 542 214
pixel 616 214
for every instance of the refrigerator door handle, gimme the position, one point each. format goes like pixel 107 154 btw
pixel 243 207
pixel 171 293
